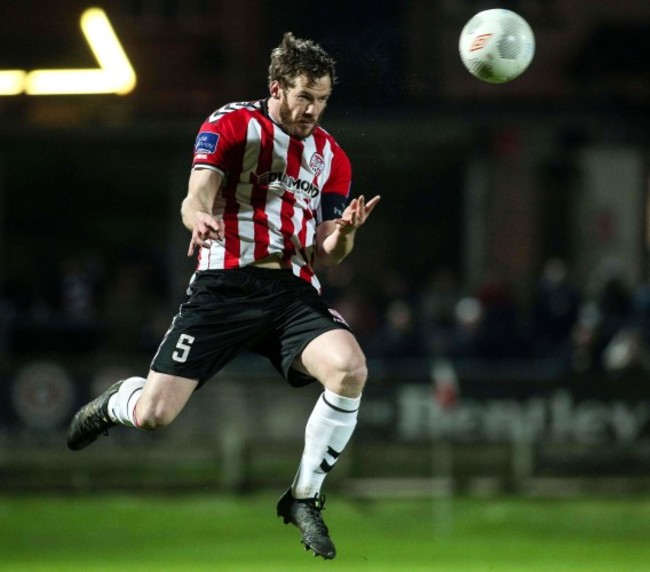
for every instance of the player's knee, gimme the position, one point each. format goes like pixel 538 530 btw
pixel 350 380
pixel 356 379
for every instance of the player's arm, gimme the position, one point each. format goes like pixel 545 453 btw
pixel 196 209
pixel 335 238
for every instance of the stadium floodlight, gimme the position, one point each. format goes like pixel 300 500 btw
pixel 114 75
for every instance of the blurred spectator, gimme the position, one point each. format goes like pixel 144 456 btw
pixel 555 307
pixel 609 311
pixel 398 338
pixel 584 338
pixel 616 307
pixel 465 338
pixel 499 336
pixel 436 305
pixel 626 352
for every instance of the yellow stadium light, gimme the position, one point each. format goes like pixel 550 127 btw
pixel 114 75
pixel 12 82
pixel 106 46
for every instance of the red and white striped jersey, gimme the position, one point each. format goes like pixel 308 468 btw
pixel 276 188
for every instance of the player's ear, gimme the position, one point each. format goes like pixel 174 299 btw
pixel 275 89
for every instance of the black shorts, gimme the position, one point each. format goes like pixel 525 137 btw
pixel 270 312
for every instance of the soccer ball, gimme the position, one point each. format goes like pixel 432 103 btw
pixel 496 45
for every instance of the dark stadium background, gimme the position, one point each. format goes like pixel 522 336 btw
pixel 491 370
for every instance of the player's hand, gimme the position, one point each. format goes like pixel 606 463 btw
pixel 356 213
pixel 206 229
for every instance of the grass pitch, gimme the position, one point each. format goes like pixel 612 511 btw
pixel 241 533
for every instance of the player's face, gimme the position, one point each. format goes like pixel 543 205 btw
pixel 301 106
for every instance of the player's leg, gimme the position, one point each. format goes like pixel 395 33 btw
pixel 338 363
pixel 199 342
pixel 134 402
pixel 148 404
pixel 151 404
pixel 335 359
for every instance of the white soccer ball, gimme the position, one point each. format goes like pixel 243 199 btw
pixel 496 45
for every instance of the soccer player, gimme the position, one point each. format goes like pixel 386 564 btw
pixel 267 198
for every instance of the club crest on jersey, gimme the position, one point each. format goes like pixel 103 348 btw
pixel 206 142
pixel 317 163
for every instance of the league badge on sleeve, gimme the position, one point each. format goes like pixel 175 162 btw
pixel 206 143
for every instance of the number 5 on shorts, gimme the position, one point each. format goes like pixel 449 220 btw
pixel 183 347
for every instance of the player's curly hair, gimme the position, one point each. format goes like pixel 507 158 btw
pixel 294 57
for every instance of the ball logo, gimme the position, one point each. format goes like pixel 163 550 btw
pixel 317 163
pixel 479 42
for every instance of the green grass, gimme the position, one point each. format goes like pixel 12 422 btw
pixel 229 533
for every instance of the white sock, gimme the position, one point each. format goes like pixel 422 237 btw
pixel 328 431
pixel 121 405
